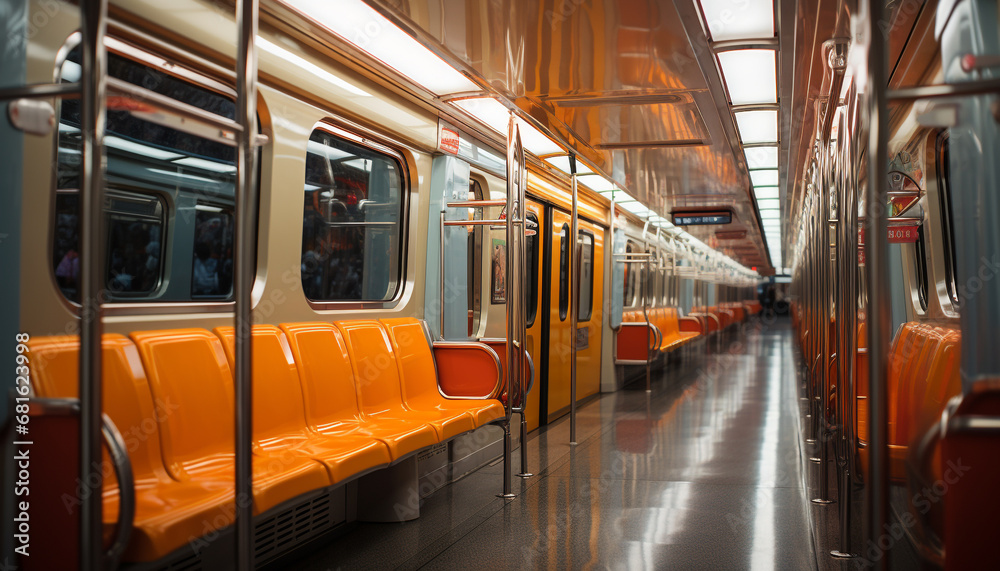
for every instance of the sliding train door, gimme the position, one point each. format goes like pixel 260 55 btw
pixel 536 217
pixel 557 335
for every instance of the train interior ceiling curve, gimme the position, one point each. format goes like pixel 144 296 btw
pixel 306 284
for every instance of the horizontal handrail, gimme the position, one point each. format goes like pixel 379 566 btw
pixel 476 203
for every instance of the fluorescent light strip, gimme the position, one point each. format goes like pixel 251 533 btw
pixel 308 66
pixel 140 149
pixel 746 19
pixel 496 116
pixel 562 163
pixel 765 192
pixel 761 157
pixel 770 215
pixel 767 177
pixel 758 126
pixel 768 204
pixel 749 76
pixel 597 183
pixel 360 25
pixel 195 162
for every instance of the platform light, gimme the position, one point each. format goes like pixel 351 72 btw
pixel 761 157
pixel 140 149
pixel 758 126
pixel 369 31
pixel 768 204
pixel 637 208
pixel 308 66
pixel 561 162
pixel 195 162
pixel 496 116
pixel 763 192
pixel 749 76
pixel 764 177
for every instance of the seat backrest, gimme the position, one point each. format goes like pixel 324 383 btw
pixel 374 366
pixel 188 367
pixel 413 357
pixel 125 396
pixel 328 382
pixel 278 407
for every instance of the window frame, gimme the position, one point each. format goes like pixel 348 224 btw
pixel 177 63
pixel 565 253
pixel 593 248
pixel 947 222
pixel 330 127
pixel 531 312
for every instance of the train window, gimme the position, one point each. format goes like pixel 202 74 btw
pixel 586 300
pixel 352 222
pixel 211 267
pixel 944 195
pixel 651 274
pixel 920 259
pixel 531 259
pixel 475 254
pixel 157 173
pixel 563 272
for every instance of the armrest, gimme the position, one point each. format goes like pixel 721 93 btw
pixel 690 324
pixel 468 370
pixel 632 343
pixel 118 453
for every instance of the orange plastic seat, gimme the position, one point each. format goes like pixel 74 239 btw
pixel 380 394
pixel 188 367
pixel 279 416
pixel 417 373
pixel 168 513
pixel 332 395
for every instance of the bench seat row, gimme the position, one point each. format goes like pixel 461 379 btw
pixel 330 402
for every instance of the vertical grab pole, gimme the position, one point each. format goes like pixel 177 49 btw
pixel 441 267
pixel 823 267
pixel 93 112
pixel 877 263
pixel 574 296
pixel 246 204
pixel 513 362
pixel 522 217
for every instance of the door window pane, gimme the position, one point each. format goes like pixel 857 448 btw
pixel 586 308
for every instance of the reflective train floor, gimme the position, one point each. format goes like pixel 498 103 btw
pixel 704 472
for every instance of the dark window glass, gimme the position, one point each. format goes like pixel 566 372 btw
pixel 947 224
pixel 564 272
pixel 626 295
pixel 474 250
pixel 920 257
pixel 586 308
pixel 352 213
pixel 212 264
pixel 157 173
pixel 531 259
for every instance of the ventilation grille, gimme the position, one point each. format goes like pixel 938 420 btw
pixel 293 527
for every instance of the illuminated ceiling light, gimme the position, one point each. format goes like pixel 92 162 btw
pixel 369 31
pixel 763 192
pixel 769 204
pixel 758 126
pixel 747 19
pixel 637 208
pixel 761 157
pixel 767 177
pixel 496 116
pixel 770 215
pixel 562 163
pixel 597 183
pixel 750 76
pixel 305 65
pixel 195 162
pixel 140 149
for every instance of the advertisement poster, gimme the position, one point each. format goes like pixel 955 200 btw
pixel 498 283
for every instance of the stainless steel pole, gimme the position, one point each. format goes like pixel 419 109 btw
pixel 92 115
pixel 574 286
pixel 514 176
pixel 823 259
pixel 246 204
pixel 877 264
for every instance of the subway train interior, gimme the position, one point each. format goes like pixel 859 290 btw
pixel 500 284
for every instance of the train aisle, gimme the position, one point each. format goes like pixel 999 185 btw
pixel 704 473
